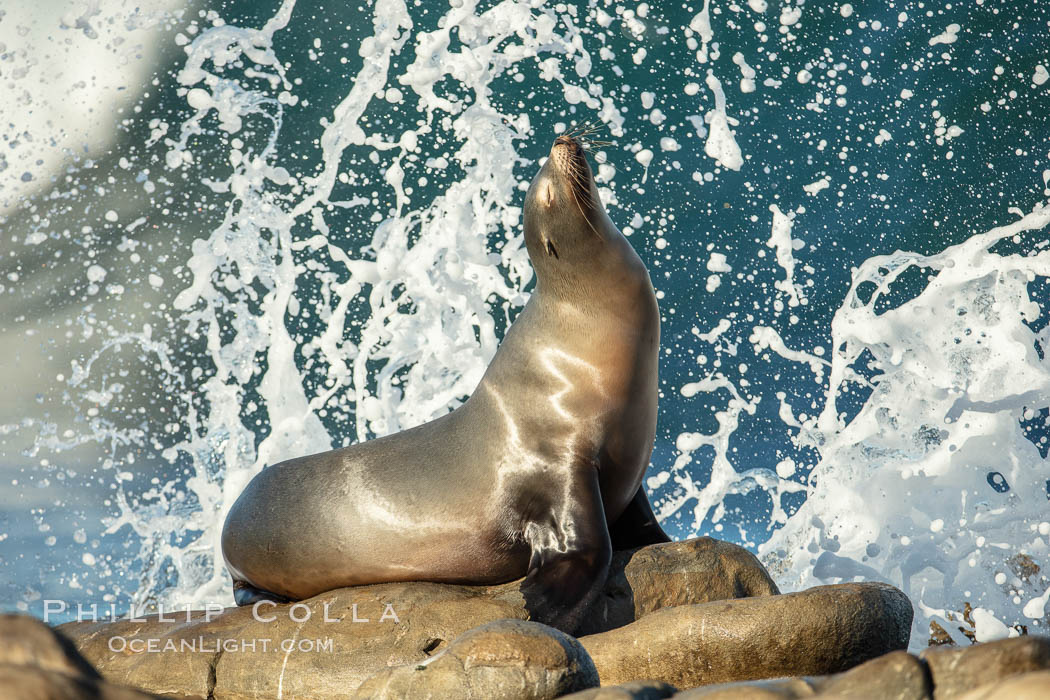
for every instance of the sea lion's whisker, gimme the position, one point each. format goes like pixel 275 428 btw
pixel 584 214
pixel 579 186
pixel 576 129
pixel 584 129
pixel 576 175
pixel 587 129
pixel 594 127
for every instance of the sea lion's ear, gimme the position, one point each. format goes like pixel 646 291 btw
pixel 551 250
pixel 568 567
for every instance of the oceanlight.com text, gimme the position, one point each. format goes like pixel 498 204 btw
pixel 202 645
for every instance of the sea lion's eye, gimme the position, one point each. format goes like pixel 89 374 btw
pixel 551 250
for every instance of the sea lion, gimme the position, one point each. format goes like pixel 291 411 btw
pixel 525 477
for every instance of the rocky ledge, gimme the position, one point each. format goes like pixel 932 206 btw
pixel 699 618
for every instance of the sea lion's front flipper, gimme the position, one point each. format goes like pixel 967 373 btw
pixel 570 552
pixel 637 526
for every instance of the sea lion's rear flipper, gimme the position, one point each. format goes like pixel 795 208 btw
pixel 247 594
pixel 637 526
pixel 570 551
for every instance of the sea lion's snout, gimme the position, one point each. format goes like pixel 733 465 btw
pixel 569 169
pixel 566 153
pixel 563 172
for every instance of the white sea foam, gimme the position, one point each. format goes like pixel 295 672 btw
pixel 721 144
pixel 949 36
pixel 701 24
pixel 747 73
pixel 958 365
pixel 817 186
pixel 781 241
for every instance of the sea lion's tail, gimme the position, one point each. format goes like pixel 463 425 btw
pixel 246 594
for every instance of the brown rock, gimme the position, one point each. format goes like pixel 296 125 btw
pixel 939 636
pixel 897 676
pixel 894 676
pixel 503 660
pixel 699 570
pixel 121 651
pixel 26 641
pixel 37 662
pixel 428 615
pixel 1023 566
pixel 958 670
pixel 35 683
pixel 635 690
pixel 323 646
pixel 776 689
pixel 823 630
pixel 1028 686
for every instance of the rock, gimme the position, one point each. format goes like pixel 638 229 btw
pixel 503 660
pixel 777 689
pixel 1011 669
pixel 26 641
pixel 121 650
pixel 32 682
pixel 37 662
pixel 939 636
pixel 1028 686
pixel 326 645
pixel 635 690
pixel 896 676
pixel 956 671
pixel 699 570
pixel 823 630
pixel 428 616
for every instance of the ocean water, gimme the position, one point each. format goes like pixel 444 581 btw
pixel 238 232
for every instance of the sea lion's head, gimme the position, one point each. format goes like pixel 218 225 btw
pixel 565 223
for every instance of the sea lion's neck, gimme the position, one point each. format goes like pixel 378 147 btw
pixel 612 281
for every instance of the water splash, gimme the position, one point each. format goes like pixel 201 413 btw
pixel 931 483
pixel 905 491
